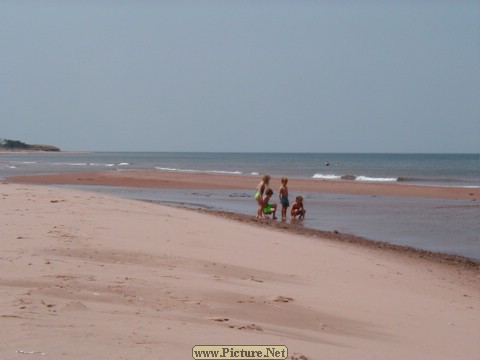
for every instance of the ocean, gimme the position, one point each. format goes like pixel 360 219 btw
pixel 448 226
pixel 421 169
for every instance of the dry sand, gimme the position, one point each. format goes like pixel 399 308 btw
pixel 86 276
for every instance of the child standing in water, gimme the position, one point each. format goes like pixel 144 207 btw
pixel 283 196
pixel 298 209
pixel 261 188
pixel 269 208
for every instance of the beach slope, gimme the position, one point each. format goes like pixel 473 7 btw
pixel 84 275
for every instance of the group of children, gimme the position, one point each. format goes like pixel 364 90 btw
pixel 264 193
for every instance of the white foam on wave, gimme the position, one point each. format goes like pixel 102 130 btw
pixel 165 169
pixel 85 164
pixel 68 164
pixel 124 164
pixel 370 179
pixel 326 177
pixel 224 172
pixel 352 177
pixel 99 164
pixel 199 171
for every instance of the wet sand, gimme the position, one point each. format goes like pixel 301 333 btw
pixel 175 180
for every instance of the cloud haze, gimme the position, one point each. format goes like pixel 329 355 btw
pixel 293 76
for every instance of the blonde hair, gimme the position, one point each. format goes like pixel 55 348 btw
pixel 284 180
pixel 299 198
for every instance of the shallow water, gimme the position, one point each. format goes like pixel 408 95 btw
pixel 447 226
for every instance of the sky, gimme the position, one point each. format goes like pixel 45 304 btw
pixel 242 75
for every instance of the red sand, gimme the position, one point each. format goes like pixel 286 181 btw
pixel 169 180
pixel 87 276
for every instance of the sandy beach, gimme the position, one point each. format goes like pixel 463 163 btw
pixel 85 275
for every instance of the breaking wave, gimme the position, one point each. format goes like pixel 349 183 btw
pixel 326 177
pixel 224 172
pixel 353 178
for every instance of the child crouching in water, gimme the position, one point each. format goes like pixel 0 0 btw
pixel 298 209
pixel 269 208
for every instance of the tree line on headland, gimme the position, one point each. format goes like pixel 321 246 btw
pixel 6 144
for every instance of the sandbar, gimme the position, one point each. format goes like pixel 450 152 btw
pixel 176 180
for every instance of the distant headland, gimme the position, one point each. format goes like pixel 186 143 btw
pixel 16 145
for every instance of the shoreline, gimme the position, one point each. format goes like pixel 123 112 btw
pixel 170 180
pixel 128 278
pixel 299 229
pixel 27 151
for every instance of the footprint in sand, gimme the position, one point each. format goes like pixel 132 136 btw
pixel 283 299
pixel 47 305
pixel 252 327
pixel 221 319
pixel 250 301
pixel 298 357
pixel 75 306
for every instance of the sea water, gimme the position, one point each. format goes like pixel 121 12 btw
pixel 450 226
pixel 426 169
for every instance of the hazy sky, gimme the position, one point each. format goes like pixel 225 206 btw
pixel 240 75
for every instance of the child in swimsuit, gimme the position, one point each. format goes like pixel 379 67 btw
pixel 283 196
pixel 269 208
pixel 261 187
pixel 298 209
